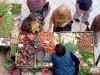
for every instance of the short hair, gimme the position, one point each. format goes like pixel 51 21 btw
pixel 60 50
pixel 32 17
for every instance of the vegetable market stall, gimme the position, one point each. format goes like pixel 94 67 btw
pixel 81 44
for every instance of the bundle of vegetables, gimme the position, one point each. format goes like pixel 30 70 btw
pixel 7 24
pixel 85 42
pixel 25 55
pixel 87 57
pixel 4 8
pixel 47 41
pixel 13 50
pixel 16 9
pixel 85 71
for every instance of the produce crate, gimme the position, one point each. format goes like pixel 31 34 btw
pixel 81 44
pixel 22 58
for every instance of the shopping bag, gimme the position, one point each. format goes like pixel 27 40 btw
pixel 14 71
pixel 8 64
pixel 45 10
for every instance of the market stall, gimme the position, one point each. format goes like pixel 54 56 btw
pixel 36 54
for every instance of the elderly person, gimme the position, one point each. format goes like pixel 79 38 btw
pixel 83 7
pixel 63 61
pixel 60 18
pixel 96 28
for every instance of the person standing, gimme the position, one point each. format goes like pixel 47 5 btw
pixel 65 62
pixel 35 5
pixel 83 7
pixel 60 18
pixel 96 28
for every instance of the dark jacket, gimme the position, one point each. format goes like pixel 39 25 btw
pixel 96 24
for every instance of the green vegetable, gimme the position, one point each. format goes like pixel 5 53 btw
pixel 71 46
pixel 7 24
pixel 4 8
pixel 13 50
pixel 16 9
pixel 85 71
pixel 85 56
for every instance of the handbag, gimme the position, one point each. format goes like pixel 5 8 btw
pixel 45 10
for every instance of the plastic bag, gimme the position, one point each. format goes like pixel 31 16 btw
pixel 8 64
pixel 14 71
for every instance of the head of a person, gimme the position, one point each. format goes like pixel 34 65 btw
pixel 32 18
pixel 60 50
pixel 61 9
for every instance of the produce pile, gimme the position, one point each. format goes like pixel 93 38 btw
pixel 25 55
pixel 47 41
pixel 22 38
pixel 85 41
pixel 7 24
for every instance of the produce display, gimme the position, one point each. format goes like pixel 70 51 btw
pixel 4 8
pixel 85 41
pixel 25 55
pixel 85 71
pixel 7 24
pixel 47 41
pixel 13 50
pixel 22 38
pixel 7 13
pixel 71 43
pixel 16 9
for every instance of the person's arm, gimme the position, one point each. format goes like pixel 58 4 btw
pixel 75 59
pixel 51 21
pixel 93 24
pixel 77 7
pixel 68 18
pixel 77 62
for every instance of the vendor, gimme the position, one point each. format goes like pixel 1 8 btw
pixel 60 18
pixel 63 61
pixel 30 24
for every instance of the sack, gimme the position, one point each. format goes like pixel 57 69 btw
pixel 87 29
pixel 45 10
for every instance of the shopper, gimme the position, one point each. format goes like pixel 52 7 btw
pixel 83 7
pixel 35 5
pixel 30 24
pixel 60 18
pixel 96 28
pixel 63 61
